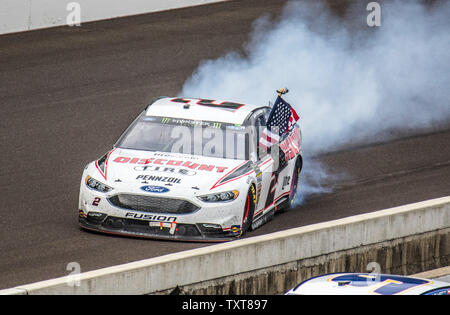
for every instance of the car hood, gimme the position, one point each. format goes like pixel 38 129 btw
pixel 162 172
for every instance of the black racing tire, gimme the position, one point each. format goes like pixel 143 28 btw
pixel 249 210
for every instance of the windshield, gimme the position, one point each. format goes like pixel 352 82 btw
pixel 194 137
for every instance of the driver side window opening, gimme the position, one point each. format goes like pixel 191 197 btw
pixel 260 124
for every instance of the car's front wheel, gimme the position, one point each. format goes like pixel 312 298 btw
pixel 249 210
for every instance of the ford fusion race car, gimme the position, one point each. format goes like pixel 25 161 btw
pixel 191 169
pixel 369 284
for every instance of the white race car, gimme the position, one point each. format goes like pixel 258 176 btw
pixel 191 169
pixel 369 284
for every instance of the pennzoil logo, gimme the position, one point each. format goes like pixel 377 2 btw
pixel 165 179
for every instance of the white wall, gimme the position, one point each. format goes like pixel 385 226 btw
pixel 23 15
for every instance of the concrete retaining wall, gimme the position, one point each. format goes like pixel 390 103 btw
pixel 24 15
pixel 404 256
pixel 404 240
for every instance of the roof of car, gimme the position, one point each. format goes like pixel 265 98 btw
pixel 366 283
pixel 201 109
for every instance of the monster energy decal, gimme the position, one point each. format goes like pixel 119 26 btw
pixel 192 123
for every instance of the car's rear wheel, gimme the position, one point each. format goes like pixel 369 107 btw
pixel 249 210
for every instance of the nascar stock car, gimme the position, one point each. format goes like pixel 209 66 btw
pixel 369 284
pixel 194 169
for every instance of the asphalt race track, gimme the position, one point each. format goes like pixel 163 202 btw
pixel 66 94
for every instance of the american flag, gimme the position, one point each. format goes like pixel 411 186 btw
pixel 280 121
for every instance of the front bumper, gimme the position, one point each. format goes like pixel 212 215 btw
pixel 172 216
pixel 155 230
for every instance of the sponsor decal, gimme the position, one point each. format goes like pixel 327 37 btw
pixel 164 179
pixel 169 162
pixel 171 170
pixel 291 145
pixel 191 122
pixel 172 226
pixel 200 123
pixel 150 217
pixel 155 189
pixel 170 155
pixel 235 127
pixel 235 230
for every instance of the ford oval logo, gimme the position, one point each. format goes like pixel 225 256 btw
pixel 154 189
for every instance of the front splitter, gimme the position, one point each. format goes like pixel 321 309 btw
pixel 158 233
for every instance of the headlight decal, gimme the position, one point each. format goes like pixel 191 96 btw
pixel 96 185
pixel 220 197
